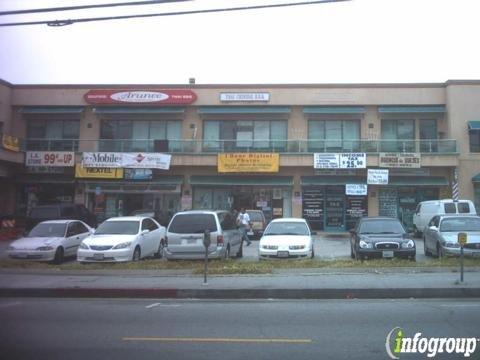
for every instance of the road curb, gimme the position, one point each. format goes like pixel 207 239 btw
pixel 419 293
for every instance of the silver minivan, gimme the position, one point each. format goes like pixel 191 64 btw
pixel 186 230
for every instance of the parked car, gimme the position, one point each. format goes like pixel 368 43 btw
pixel 258 223
pixel 50 241
pixel 120 239
pixel 287 238
pixel 380 237
pixel 60 211
pixel 186 231
pixel 426 210
pixel 158 216
pixel 441 235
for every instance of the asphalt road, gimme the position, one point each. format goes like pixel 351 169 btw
pixel 326 247
pixel 152 329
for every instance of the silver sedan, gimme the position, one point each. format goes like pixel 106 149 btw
pixel 441 235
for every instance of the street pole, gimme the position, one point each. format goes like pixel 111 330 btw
pixel 462 240
pixel 206 243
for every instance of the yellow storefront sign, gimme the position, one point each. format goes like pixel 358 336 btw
pixel 11 143
pixel 248 162
pixel 98 173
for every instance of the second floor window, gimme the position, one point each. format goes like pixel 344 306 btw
pixel 140 135
pixel 398 135
pixel 333 135
pixel 474 136
pixel 56 135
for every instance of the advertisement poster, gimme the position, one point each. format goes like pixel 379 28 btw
pixel 49 158
pixel 248 162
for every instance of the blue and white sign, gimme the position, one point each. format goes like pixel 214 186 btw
pixel 340 161
pixel 356 189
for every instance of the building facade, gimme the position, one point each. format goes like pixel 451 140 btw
pixel 329 153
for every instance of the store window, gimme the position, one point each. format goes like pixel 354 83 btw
pixel 474 137
pixel 140 135
pixel 256 135
pixel 333 135
pixel 398 135
pixel 56 135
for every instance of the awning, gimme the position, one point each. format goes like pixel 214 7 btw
pixel 474 125
pixel 138 110
pixel 334 110
pixel 332 180
pixel 411 109
pixel 244 110
pixel 418 181
pixel 476 178
pixel 51 110
pixel 164 180
pixel 240 180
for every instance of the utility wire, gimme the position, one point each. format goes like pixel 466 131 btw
pixel 206 11
pixel 81 7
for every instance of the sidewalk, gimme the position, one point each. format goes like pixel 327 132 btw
pixel 284 284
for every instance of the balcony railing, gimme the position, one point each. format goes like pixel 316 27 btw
pixel 444 146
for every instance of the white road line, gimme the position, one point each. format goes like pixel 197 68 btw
pixel 16 303
pixel 152 305
pixel 460 305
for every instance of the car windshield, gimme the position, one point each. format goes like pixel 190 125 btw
pixel 118 228
pixel 287 228
pixel 460 224
pixel 48 230
pixel 192 223
pixel 383 226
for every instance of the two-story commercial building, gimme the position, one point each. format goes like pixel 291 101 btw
pixel 329 153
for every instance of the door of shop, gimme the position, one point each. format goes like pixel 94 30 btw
pixel 335 208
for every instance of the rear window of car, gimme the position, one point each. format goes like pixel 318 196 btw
pixel 255 216
pixel 45 212
pixel 463 208
pixel 450 208
pixel 192 223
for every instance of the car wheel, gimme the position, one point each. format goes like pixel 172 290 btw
pixel 136 254
pixel 417 233
pixel 161 246
pixel 58 259
pixel 358 256
pixel 313 253
pixel 240 251
pixel 425 249
pixel 352 254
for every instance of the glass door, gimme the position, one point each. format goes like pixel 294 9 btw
pixel 335 208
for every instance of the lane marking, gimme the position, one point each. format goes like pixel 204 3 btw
pixel 219 340
pixel 16 303
pixel 460 305
pixel 152 305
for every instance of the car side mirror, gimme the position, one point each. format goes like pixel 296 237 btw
pixel 433 228
pixel 146 231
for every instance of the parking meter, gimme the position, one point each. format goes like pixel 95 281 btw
pixel 206 243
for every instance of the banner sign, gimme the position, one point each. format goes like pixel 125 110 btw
pixel 127 160
pixel 248 162
pixel 377 177
pixel 102 160
pixel 340 161
pixel 10 143
pixel 244 96
pixel 356 189
pixel 138 174
pixel 49 158
pixel 98 173
pixel 144 97
pixel 400 160
pixel 146 161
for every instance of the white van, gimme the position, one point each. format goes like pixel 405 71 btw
pixel 428 209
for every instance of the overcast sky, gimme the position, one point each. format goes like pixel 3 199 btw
pixel 359 41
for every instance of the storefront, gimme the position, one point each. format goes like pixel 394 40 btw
pixel 476 187
pixel 327 204
pixel 271 194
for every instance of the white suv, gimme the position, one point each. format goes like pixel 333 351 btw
pixel 186 230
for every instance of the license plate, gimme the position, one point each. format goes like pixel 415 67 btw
pixel 387 254
pixel 283 254
pixel 98 256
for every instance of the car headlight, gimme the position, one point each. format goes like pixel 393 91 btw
pixel 122 245
pixel 452 244
pixel 365 245
pixel 83 246
pixel 296 247
pixel 45 248
pixel 408 245
pixel 270 247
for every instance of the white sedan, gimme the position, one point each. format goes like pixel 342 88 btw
pixel 287 238
pixel 121 239
pixel 50 241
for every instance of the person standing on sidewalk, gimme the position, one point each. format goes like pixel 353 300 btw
pixel 243 221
